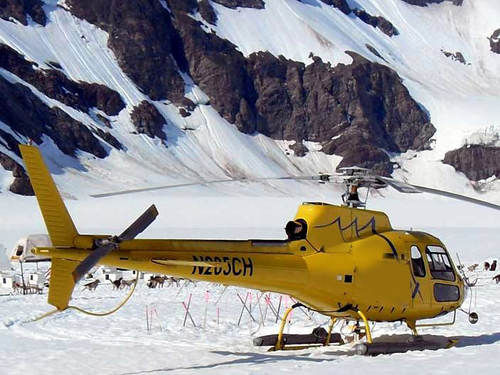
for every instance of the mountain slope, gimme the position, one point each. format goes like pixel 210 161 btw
pixel 245 88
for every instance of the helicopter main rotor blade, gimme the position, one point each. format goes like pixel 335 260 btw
pixel 319 177
pixel 400 186
pixel 403 187
pixel 113 243
pixel 457 196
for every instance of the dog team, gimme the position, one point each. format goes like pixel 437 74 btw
pixel 487 267
pixel 153 282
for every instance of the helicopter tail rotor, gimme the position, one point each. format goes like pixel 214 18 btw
pixel 106 245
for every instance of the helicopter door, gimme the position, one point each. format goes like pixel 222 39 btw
pixel 420 288
pixel 440 266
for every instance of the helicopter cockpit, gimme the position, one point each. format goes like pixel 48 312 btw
pixel 439 263
pixel 441 273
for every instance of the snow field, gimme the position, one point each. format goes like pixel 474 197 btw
pixel 121 343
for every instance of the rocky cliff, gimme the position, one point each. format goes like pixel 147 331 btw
pixel 477 162
pixel 284 99
pixel 360 109
pixel 20 10
pixel 495 41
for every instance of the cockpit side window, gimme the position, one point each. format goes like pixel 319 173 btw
pixel 439 263
pixel 417 262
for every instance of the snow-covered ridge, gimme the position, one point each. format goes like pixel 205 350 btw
pixel 487 136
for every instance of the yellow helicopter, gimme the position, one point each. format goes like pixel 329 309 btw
pixel 345 262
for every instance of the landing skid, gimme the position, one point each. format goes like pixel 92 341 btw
pixel 386 344
pixel 318 337
pixel 404 343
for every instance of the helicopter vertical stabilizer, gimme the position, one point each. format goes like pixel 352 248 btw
pixel 59 224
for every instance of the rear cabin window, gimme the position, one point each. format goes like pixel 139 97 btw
pixel 439 263
pixel 417 262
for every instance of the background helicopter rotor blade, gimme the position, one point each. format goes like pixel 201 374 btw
pixel 409 188
pixel 318 177
pixel 105 246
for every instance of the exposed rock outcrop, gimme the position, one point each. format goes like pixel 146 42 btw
pixel 374 51
pixel 21 184
pixel 299 149
pixel 186 107
pixel 355 111
pixel 377 21
pixel 8 141
pixel 477 162
pixel 27 115
pixel 363 106
pixel 142 38
pixel 360 111
pixel 424 3
pixel 233 4
pixel 495 41
pixel 54 84
pixel 21 9
pixel 148 120
pixel 216 66
pixel 207 11
pixel 106 136
pixel 339 4
pixel 457 56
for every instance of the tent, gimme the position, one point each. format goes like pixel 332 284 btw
pixel 22 248
pixel 5 265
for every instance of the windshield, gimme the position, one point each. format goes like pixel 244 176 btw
pixel 439 263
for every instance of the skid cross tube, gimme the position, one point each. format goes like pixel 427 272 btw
pixel 367 327
pixel 329 335
pixel 439 324
pixel 280 345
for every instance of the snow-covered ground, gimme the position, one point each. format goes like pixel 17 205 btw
pixel 121 344
pixel 72 342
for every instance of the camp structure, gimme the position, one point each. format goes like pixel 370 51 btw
pixel 22 249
